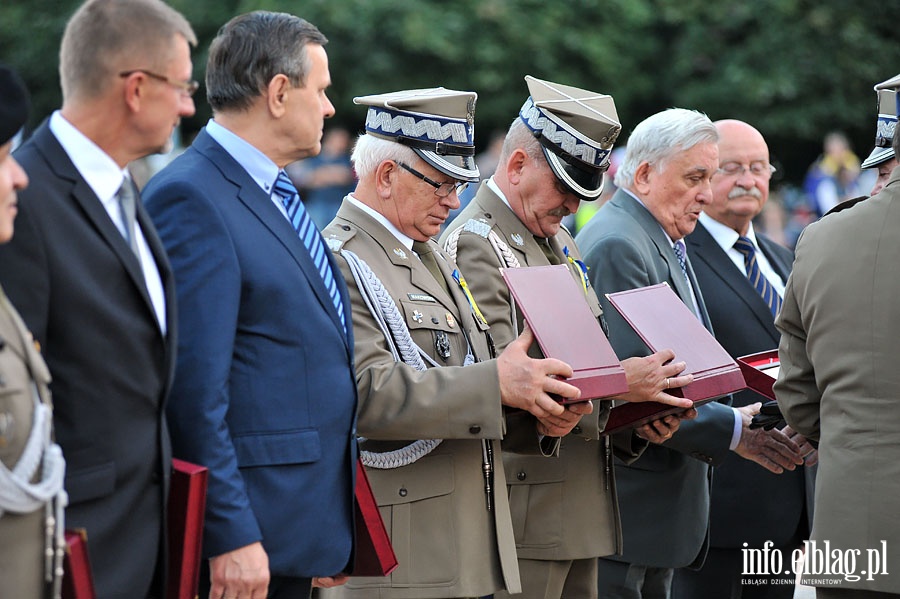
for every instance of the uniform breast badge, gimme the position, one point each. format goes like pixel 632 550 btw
pixel 442 345
pixel 517 239
pixel 417 316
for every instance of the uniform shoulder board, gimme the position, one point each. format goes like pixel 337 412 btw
pixel 846 204
pixel 337 236
pixel 479 227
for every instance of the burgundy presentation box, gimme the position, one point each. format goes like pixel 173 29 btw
pixel 78 581
pixel 556 311
pixel 187 506
pixel 760 371
pixel 373 553
pixel 663 321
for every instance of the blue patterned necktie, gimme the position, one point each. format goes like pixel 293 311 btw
pixel 682 260
pixel 311 238
pixel 762 285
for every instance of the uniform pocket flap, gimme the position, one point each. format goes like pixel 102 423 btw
pixel 275 448
pixel 533 470
pixel 429 477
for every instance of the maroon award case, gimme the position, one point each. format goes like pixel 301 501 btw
pixel 373 553
pixel 760 371
pixel 186 509
pixel 78 581
pixel 554 307
pixel 663 321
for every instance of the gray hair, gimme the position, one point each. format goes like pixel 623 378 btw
pixel 370 151
pixel 658 138
pixel 250 50
pixel 106 37
pixel 520 136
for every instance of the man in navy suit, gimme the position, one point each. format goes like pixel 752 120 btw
pixel 264 391
pixel 96 289
pixel 749 505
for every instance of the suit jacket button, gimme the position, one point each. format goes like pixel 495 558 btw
pixel 521 475
pixel 576 430
pixel 474 429
pixel 403 492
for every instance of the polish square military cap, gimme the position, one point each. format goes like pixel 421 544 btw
pixel 437 123
pixel 886 124
pixel 576 128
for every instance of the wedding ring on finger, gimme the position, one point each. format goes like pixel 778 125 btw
pixel 667 384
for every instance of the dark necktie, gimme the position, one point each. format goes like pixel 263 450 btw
pixel 426 255
pixel 127 199
pixel 544 244
pixel 754 274
pixel 311 238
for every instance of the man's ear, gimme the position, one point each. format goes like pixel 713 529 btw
pixel 384 178
pixel 276 95
pixel 642 178
pixel 515 166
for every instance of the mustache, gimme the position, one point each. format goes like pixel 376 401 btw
pixel 738 191
pixel 561 211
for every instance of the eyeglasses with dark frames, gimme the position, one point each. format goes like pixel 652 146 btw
pixel 189 88
pixel 441 190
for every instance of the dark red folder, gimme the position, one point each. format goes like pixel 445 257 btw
pixel 373 553
pixel 555 308
pixel 760 371
pixel 187 504
pixel 663 321
pixel 77 582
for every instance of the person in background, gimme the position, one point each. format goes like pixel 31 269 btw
pixel 323 180
pixel 91 279
pixel 728 255
pixel 264 393
pixel 831 179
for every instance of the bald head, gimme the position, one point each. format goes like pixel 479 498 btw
pixel 741 186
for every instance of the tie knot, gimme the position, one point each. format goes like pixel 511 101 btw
pixel 284 187
pixel 744 246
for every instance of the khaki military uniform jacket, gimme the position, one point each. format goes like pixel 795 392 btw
pixel 22 536
pixel 839 384
pixel 446 541
pixel 563 508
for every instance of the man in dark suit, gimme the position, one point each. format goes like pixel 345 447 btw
pixel 93 284
pixel 744 323
pixel 264 391
pixel 635 240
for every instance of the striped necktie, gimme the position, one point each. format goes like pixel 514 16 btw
pixel 762 285
pixel 682 260
pixel 311 238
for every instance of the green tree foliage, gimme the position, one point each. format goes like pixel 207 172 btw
pixel 794 68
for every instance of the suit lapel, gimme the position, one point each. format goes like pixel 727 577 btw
pixel 776 260
pixel 255 200
pixel 659 239
pixel 94 210
pixel 705 249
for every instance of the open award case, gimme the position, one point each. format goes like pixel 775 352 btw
pixel 556 311
pixel 663 321
pixel 760 371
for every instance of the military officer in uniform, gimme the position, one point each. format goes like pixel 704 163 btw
pixel 31 465
pixel 432 402
pixel 554 155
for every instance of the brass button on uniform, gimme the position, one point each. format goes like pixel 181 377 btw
pixel 403 492
pixel 474 429
pixel 521 475
pixel 576 430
